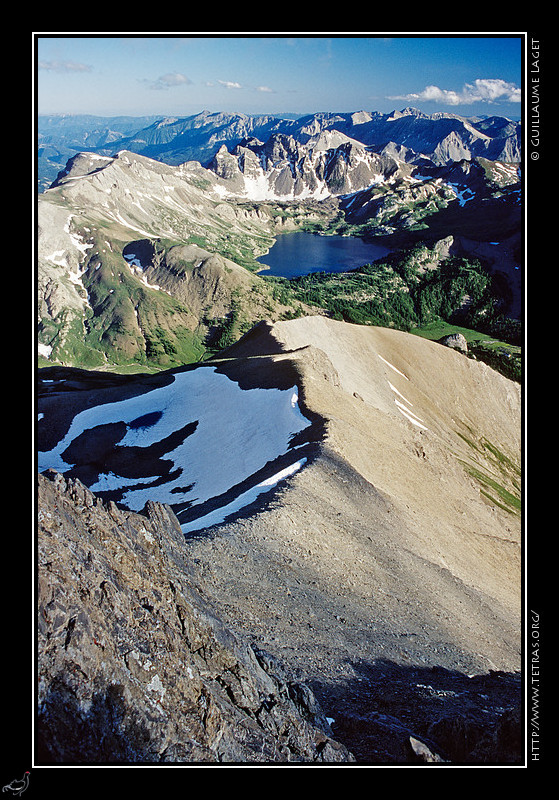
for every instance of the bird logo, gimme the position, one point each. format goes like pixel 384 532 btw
pixel 17 787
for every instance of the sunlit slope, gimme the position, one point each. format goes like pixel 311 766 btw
pixel 374 473
pixel 436 433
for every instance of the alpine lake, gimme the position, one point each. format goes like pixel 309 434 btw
pixel 300 253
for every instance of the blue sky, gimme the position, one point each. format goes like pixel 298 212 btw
pixel 127 74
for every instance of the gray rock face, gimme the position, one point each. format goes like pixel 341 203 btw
pixel 133 668
pixel 329 164
pixel 456 341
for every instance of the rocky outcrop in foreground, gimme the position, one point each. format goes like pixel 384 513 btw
pixel 133 667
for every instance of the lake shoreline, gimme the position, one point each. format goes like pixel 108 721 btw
pixel 299 253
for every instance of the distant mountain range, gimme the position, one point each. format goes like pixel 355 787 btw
pixel 409 134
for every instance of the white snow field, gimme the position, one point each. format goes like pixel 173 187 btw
pixel 238 432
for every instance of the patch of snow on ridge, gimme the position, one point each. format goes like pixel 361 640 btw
pixel 260 188
pixel 395 390
pixel 403 407
pixel 243 500
pixel 393 367
pixel 75 238
pixel 136 268
pixel 409 415
pixel 235 433
pixel 44 350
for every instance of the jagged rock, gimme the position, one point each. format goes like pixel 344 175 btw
pixel 328 164
pixel 133 668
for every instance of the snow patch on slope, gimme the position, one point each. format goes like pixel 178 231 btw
pixel 234 434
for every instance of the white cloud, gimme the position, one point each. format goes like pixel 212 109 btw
pixel 169 80
pixel 264 89
pixel 64 66
pixel 484 90
pixel 230 84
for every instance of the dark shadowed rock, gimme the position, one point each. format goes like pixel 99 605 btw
pixel 133 667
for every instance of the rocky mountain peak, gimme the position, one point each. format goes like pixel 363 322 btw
pixel 81 164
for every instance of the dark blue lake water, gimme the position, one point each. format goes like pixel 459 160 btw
pixel 300 253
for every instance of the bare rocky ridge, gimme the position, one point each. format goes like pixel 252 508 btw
pixel 384 562
pixel 329 164
pixel 134 668
pixel 385 576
